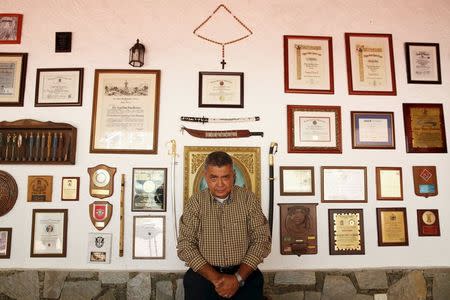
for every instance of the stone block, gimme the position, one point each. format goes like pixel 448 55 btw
pixel 441 286
pixel 368 280
pixel 139 287
pixel 109 295
pixel 289 296
pixel 113 277
pixel 179 294
pixel 21 285
pixel 295 277
pixel 338 288
pixel 362 297
pixel 312 295
pixel 53 284
pixel 410 287
pixel 81 290
pixel 164 290
pixel 86 275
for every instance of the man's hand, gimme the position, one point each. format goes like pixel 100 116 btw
pixel 227 286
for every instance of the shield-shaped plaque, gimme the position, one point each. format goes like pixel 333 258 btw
pixel 100 213
pixel 425 181
pixel 101 184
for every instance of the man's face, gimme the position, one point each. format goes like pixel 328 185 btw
pixel 220 180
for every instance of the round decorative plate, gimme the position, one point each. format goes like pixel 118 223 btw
pixel 8 192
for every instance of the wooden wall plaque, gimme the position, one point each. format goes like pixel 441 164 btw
pixel 40 188
pixel 101 184
pixel 428 222
pixel 425 181
pixel 8 192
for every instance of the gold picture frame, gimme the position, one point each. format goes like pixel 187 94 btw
pixel 247 164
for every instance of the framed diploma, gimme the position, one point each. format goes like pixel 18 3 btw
pixel 70 188
pixel 149 189
pixel 5 242
pixel 344 184
pixel 346 231
pixel 125 113
pixel 425 181
pixel 13 69
pixel 10 28
pixel 149 237
pixel 370 64
pixel 40 188
pixel 424 128
pixel 308 64
pixel 423 63
pixel 296 181
pixel 392 226
pixel 372 130
pixel 59 87
pixel 99 248
pixel 49 233
pixel 389 183
pixel 8 192
pixel 314 129
pixel 221 89
pixel 428 222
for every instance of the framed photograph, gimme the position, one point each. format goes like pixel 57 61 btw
pixel 423 63
pixel 5 242
pixel 392 226
pixel 149 237
pixel 49 233
pixel 428 222
pixel 99 248
pixel 308 64
pixel 10 28
pixel 344 184
pixel 346 231
pixel 389 183
pixel 424 128
pixel 372 130
pixel 13 71
pixel 70 188
pixel 296 181
pixel 59 87
pixel 370 64
pixel 149 189
pixel 125 113
pixel 425 181
pixel 246 163
pixel 221 89
pixel 40 188
pixel 314 129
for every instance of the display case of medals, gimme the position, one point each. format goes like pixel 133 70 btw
pixel 33 142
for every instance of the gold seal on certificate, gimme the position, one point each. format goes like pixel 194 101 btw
pixel 221 89
pixel 101 181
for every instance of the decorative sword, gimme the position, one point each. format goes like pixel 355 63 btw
pixel 173 153
pixel 218 120
pixel 122 209
pixel 273 149
pixel 221 134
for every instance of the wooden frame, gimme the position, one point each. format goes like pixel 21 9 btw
pixel 425 181
pixel 423 63
pixel 369 58
pixel 149 192
pixel 424 128
pixel 297 181
pixel 314 129
pixel 59 87
pixel 40 188
pixel 392 226
pixel 336 192
pixel 346 231
pixel 428 222
pixel 51 229
pixel 12 83
pixel 314 73
pixel 389 182
pixel 5 242
pixel 221 89
pixel 70 188
pixel 10 28
pixel 126 94
pixel 372 130
pixel 246 161
pixel 146 228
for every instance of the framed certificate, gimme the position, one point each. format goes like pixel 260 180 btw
pixel 314 129
pixel 10 28
pixel 428 222
pixel 372 130
pixel 221 89
pixel 149 235
pixel 13 71
pixel 125 113
pixel 308 64
pixel 99 248
pixel 389 183
pixel 424 128
pixel 346 231
pixel 70 188
pixel 344 184
pixel 370 64
pixel 392 226
pixel 5 242
pixel 423 63
pixel 149 189
pixel 296 181
pixel 40 188
pixel 59 87
pixel 49 233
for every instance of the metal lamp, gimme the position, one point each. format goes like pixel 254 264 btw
pixel 137 55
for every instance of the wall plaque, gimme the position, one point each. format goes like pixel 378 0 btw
pixel 425 181
pixel 100 213
pixel 428 222
pixel 8 192
pixel 346 231
pixel 40 188
pixel 101 184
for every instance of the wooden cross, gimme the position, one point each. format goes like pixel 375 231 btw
pixel 223 63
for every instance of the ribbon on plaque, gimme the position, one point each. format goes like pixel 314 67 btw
pixel 100 213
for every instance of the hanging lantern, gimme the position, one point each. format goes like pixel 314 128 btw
pixel 137 55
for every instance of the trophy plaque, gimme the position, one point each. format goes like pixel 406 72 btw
pixel 346 231
pixel 428 222
pixel 8 192
pixel 298 228
pixel 100 213
pixel 40 188
pixel 425 181
pixel 101 184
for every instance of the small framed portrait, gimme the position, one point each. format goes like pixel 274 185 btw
pixel 373 130
pixel 5 242
pixel 149 189
pixel 99 248
pixel 10 28
pixel 49 233
pixel 423 63
pixel 221 89
pixel 296 181
pixel 70 188
pixel 149 237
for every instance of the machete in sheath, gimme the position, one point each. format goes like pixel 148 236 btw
pixel 221 134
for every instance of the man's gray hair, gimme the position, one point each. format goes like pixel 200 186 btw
pixel 218 159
